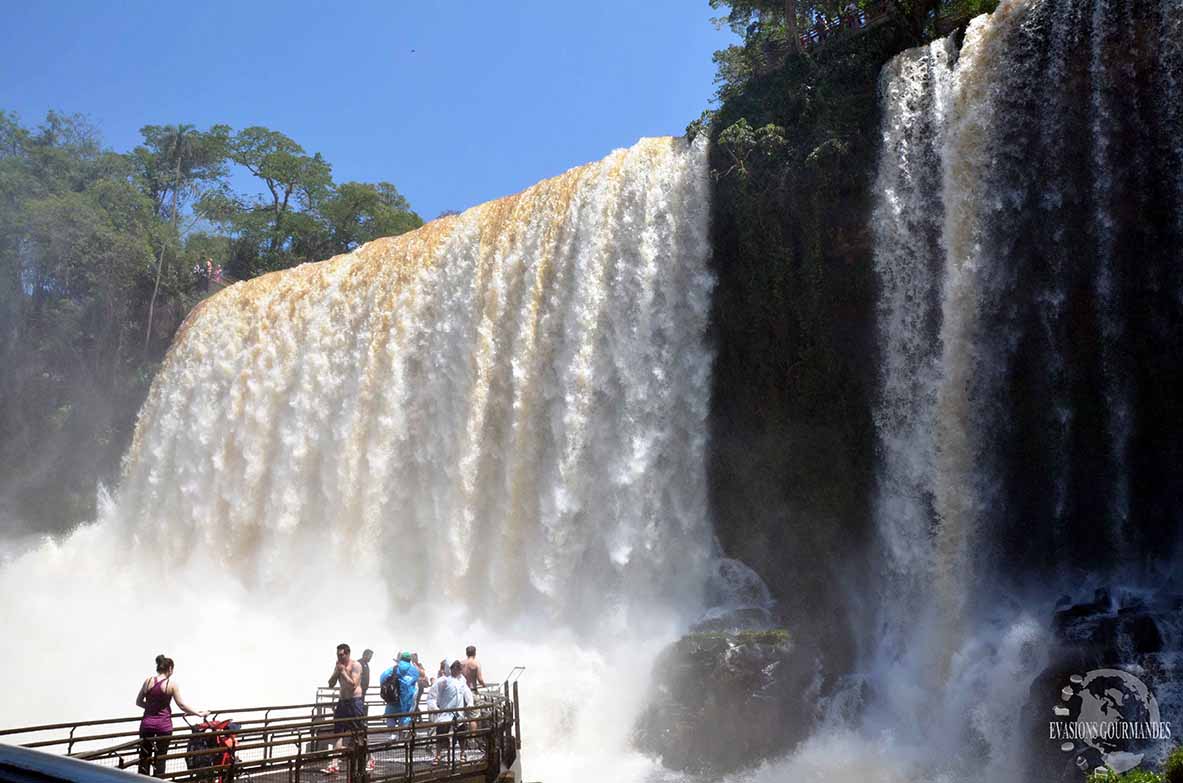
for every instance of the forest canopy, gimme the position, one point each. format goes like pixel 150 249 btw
pixel 102 254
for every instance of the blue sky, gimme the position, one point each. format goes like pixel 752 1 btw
pixel 455 103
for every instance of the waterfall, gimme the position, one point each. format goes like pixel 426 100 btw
pixel 1015 397
pixel 1030 266
pixel 915 88
pixel 489 430
pixel 523 384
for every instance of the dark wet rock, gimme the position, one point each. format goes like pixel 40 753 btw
pixel 1114 630
pixel 1137 632
pixel 728 699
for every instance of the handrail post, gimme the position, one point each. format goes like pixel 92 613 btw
pixel 517 719
pixel 490 751
pixel 299 754
pixel 410 747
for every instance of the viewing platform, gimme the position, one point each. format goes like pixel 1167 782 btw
pixel 291 743
pixel 846 25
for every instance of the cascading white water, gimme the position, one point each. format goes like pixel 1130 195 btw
pixel 1108 20
pixel 490 430
pixel 1016 279
pixel 939 689
pixel 916 89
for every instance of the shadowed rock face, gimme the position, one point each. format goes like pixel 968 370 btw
pixel 970 383
pixel 727 699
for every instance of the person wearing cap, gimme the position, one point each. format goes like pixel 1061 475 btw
pixel 451 695
pixel 406 675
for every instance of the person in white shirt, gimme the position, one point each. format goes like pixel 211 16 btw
pixel 452 695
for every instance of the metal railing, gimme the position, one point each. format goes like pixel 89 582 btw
pixel 298 742
pixel 857 19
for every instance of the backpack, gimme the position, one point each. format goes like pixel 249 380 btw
pixel 220 747
pixel 389 690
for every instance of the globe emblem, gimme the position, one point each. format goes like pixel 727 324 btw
pixel 1098 702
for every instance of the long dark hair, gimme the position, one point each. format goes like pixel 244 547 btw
pixel 163 664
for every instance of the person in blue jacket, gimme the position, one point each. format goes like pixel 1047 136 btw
pixel 406 683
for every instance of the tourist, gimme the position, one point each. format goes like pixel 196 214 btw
pixel 350 706
pixel 408 685
pixel 155 697
pixel 366 657
pixel 405 688
pixel 451 693
pixel 424 680
pixel 850 16
pixel 427 701
pixel 472 669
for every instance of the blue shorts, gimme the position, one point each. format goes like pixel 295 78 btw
pixel 349 708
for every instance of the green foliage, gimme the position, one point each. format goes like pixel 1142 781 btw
pixel 76 255
pixel 357 212
pixel 794 145
pixel 306 216
pixel 772 636
pixel 1133 776
pixel 1172 772
pixel 95 246
pixel 1172 768
pixel 179 159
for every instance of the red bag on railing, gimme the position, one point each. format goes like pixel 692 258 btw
pixel 220 747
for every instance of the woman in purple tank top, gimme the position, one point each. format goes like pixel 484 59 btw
pixel 156 697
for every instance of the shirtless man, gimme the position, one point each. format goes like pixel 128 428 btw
pixel 350 705
pixel 472 669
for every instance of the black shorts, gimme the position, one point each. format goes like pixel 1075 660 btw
pixel 349 708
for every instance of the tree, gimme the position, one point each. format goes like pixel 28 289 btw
pixel 203 163
pixel 190 157
pixel 76 250
pixel 95 255
pixel 359 212
pixel 286 171
pixel 306 217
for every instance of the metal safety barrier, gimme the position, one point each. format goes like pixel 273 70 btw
pixel 304 742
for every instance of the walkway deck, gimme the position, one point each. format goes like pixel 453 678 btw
pixel 291 744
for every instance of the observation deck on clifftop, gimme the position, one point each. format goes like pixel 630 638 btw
pixel 285 744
